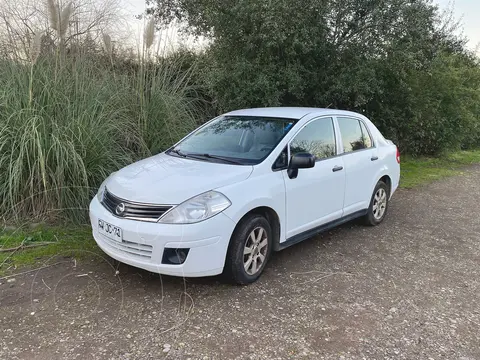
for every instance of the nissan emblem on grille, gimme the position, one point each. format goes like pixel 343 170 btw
pixel 120 209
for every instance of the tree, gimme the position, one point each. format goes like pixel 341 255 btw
pixel 371 56
pixel 313 52
pixel 20 19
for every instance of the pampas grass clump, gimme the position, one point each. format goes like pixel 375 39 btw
pixel 65 127
pixel 56 148
pixel 68 121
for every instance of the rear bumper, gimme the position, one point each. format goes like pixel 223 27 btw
pixel 394 187
pixel 395 179
pixel 143 243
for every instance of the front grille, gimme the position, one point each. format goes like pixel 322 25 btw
pixel 132 210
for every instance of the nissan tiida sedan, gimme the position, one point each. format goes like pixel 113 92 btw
pixel 243 185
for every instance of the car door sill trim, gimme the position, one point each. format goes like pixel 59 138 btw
pixel 319 229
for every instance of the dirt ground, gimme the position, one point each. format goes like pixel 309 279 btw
pixel 407 289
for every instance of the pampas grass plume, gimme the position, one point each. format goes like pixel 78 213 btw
pixel 149 35
pixel 53 13
pixel 107 41
pixel 36 47
pixel 64 19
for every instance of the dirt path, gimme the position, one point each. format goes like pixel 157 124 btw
pixel 408 289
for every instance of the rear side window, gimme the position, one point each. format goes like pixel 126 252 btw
pixel 316 138
pixel 354 135
pixel 367 139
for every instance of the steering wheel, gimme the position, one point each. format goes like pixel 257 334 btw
pixel 266 148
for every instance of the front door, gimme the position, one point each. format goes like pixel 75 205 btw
pixel 315 196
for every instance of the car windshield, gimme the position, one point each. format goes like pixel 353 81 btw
pixel 243 140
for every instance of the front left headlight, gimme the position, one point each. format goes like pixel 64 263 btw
pixel 101 189
pixel 197 209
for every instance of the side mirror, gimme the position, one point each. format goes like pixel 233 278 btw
pixel 300 161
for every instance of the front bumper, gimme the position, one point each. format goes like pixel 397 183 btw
pixel 143 243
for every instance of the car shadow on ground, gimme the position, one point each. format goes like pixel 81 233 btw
pixel 275 265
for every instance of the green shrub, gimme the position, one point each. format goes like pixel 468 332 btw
pixel 433 109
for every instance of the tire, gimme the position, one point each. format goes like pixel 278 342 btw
pixel 242 241
pixel 374 214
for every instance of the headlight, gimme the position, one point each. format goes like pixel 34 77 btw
pixel 197 209
pixel 101 189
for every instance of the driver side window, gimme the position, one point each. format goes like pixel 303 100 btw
pixel 316 138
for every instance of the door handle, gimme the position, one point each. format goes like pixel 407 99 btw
pixel 373 158
pixel 337 168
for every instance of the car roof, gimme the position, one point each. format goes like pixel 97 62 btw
pixel 289 112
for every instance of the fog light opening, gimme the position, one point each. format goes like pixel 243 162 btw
pixel 174 256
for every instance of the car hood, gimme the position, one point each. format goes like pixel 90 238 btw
pixel 165 179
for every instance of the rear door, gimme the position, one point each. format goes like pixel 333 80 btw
pixel 360 158
pixel 316 195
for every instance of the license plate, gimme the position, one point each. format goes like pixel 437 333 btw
pixel 111 231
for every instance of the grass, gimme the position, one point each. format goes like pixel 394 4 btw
pixel 424 170
pixel 71 241
pixel 77 241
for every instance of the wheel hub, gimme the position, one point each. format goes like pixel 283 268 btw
pixel 255 251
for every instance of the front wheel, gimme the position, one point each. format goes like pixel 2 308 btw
pixel 378 205
pixel 249 250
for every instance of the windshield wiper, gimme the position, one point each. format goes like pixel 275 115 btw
pixel 209 156
pixel 203 156
pixel 178 152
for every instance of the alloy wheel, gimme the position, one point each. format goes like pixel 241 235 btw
pixel 255 251
pixel 379 203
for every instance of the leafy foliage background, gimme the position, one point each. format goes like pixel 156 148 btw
pixel 400 62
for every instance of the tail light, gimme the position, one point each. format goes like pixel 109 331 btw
pixel 398 156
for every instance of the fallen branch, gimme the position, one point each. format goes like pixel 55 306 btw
pixel 44 283
pixel 20 247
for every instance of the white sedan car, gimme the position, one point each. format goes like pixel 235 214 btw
pixel 243 185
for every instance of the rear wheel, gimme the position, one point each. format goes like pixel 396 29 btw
pixel 249 250
pixel 378 205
